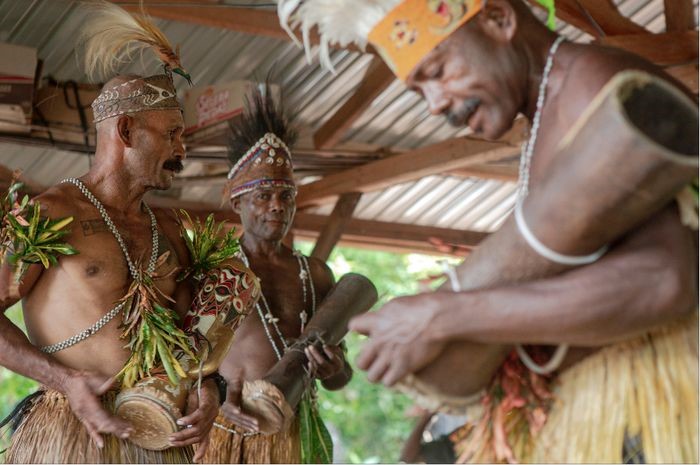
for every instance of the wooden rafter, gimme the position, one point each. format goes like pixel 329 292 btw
pixel 680 15
pixel 434 159
pixel 497 172
pixel 337 221
pixel 596 17
pixel 666 49
pixel 364 233
pixel 256 21
pixel 377 78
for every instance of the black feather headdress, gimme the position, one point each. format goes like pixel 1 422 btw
pixel 263 113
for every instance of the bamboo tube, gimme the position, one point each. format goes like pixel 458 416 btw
pixel 628 155
pixel 274 398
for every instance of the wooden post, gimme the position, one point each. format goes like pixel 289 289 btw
pixel 342 213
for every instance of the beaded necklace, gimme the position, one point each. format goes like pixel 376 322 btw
pixel 266 316
pixel 529 147
pixel 523 190
pixel 109 316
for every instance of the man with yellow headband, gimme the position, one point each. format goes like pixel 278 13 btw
pixel 262 190
pixel 481 63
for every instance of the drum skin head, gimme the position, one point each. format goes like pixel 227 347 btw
pixel 152 416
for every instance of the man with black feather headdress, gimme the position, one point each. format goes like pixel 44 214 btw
pixel 262 191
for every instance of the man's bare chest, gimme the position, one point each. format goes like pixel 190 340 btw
pixel 102 260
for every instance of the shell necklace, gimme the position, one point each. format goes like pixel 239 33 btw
pixel 266 316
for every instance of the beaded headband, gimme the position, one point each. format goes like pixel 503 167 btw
pixel 268 163
pixel 139 94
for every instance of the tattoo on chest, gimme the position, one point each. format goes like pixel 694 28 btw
pixel 95 226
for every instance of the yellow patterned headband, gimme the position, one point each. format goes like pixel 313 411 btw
pixel 415 27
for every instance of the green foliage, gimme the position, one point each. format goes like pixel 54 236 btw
pixel 316 441
pixel 551 13
pixel 26 237
pixel 207 244
pixel 372 419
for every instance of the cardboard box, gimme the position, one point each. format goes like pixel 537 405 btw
pixel 18 69
pixel 58 107
pixel 209 110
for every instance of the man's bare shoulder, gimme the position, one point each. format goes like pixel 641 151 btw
pixel 322 274
pixel 169 226
pixel 590 67
pixel 59 201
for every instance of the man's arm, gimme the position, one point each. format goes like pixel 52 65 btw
pixel 202 405
pixel 645 281
pixel 328 363
pixel 17 353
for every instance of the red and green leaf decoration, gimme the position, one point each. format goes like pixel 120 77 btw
pixel 156 343
pixel 551 13
pixel 26 237
pixel 207 244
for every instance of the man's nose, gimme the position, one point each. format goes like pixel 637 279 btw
pixel 436 99
pixel 276 204
pixel 179 148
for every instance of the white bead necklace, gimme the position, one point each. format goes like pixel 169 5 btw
pixel 268 318
pixel 523 190
pixel 529 147
pixel 116 310
pixel 115 232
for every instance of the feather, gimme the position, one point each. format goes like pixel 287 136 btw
pixel 341 22
pixel 263 113
pixel 112 36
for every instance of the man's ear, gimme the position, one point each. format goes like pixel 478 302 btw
pixel 236 205
pixel 498 20
pixel 125 129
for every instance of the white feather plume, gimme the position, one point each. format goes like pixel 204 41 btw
pixel 341 22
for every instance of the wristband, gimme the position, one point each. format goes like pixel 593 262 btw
pixel 221 385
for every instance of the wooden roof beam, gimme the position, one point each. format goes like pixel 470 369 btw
pixel 377 78
pixel 367 233
pixel 665 49
pixel 256 21
pixel 596 17
pixel 680 15
pixel 434 159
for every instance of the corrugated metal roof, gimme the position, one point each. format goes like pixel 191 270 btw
pixel 396 118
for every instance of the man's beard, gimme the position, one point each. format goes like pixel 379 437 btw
pixel 460 117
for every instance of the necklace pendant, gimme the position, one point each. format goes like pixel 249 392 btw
pixel 303 275
pixel 271 318
pixel 303 316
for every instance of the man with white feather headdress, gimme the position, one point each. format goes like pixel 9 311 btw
pixel 481 63
pixel 75 349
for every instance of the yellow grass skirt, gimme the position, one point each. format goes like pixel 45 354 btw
pixel 51 433
pixel 645 388
pixel 227 447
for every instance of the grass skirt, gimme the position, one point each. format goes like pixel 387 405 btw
pixel 227 447
pixel 645 389
pixel 51 433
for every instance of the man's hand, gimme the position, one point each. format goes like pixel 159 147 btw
pixel 199 418
pixel 83 390
pixel 400 340
pixel 325 363
pixel 232 408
